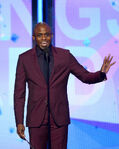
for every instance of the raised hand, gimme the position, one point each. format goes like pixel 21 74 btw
pixel 107 63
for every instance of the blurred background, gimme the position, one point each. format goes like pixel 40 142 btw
pixel 90 30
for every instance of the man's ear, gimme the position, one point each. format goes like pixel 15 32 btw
pixel 33 37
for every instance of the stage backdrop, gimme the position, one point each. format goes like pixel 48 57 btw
pixel 90 30
pixel 15 38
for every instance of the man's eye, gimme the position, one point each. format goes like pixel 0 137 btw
pixel 47 34
pixel 39 35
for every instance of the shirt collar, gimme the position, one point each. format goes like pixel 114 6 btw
pixel 40 52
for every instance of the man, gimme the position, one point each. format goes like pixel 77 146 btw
pixel 31 69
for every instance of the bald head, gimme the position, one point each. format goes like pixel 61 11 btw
pixel 42 35
pixel 39 25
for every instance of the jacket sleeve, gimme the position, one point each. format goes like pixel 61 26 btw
pixel 19 92
pixel 82 74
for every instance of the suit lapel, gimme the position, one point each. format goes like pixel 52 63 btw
pixel 54 52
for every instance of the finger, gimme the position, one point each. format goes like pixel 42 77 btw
pixel 110 58
pixel 21 135
pixel 112 63
pixel 105 59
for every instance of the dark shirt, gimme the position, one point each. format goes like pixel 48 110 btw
pixel 41 54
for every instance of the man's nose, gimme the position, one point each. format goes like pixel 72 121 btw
pixel 43 36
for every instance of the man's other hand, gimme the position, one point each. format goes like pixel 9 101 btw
pixel 20 131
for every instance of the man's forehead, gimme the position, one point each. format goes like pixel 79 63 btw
pixel 40 27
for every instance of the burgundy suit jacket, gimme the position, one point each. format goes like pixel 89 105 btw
pixel 28 71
